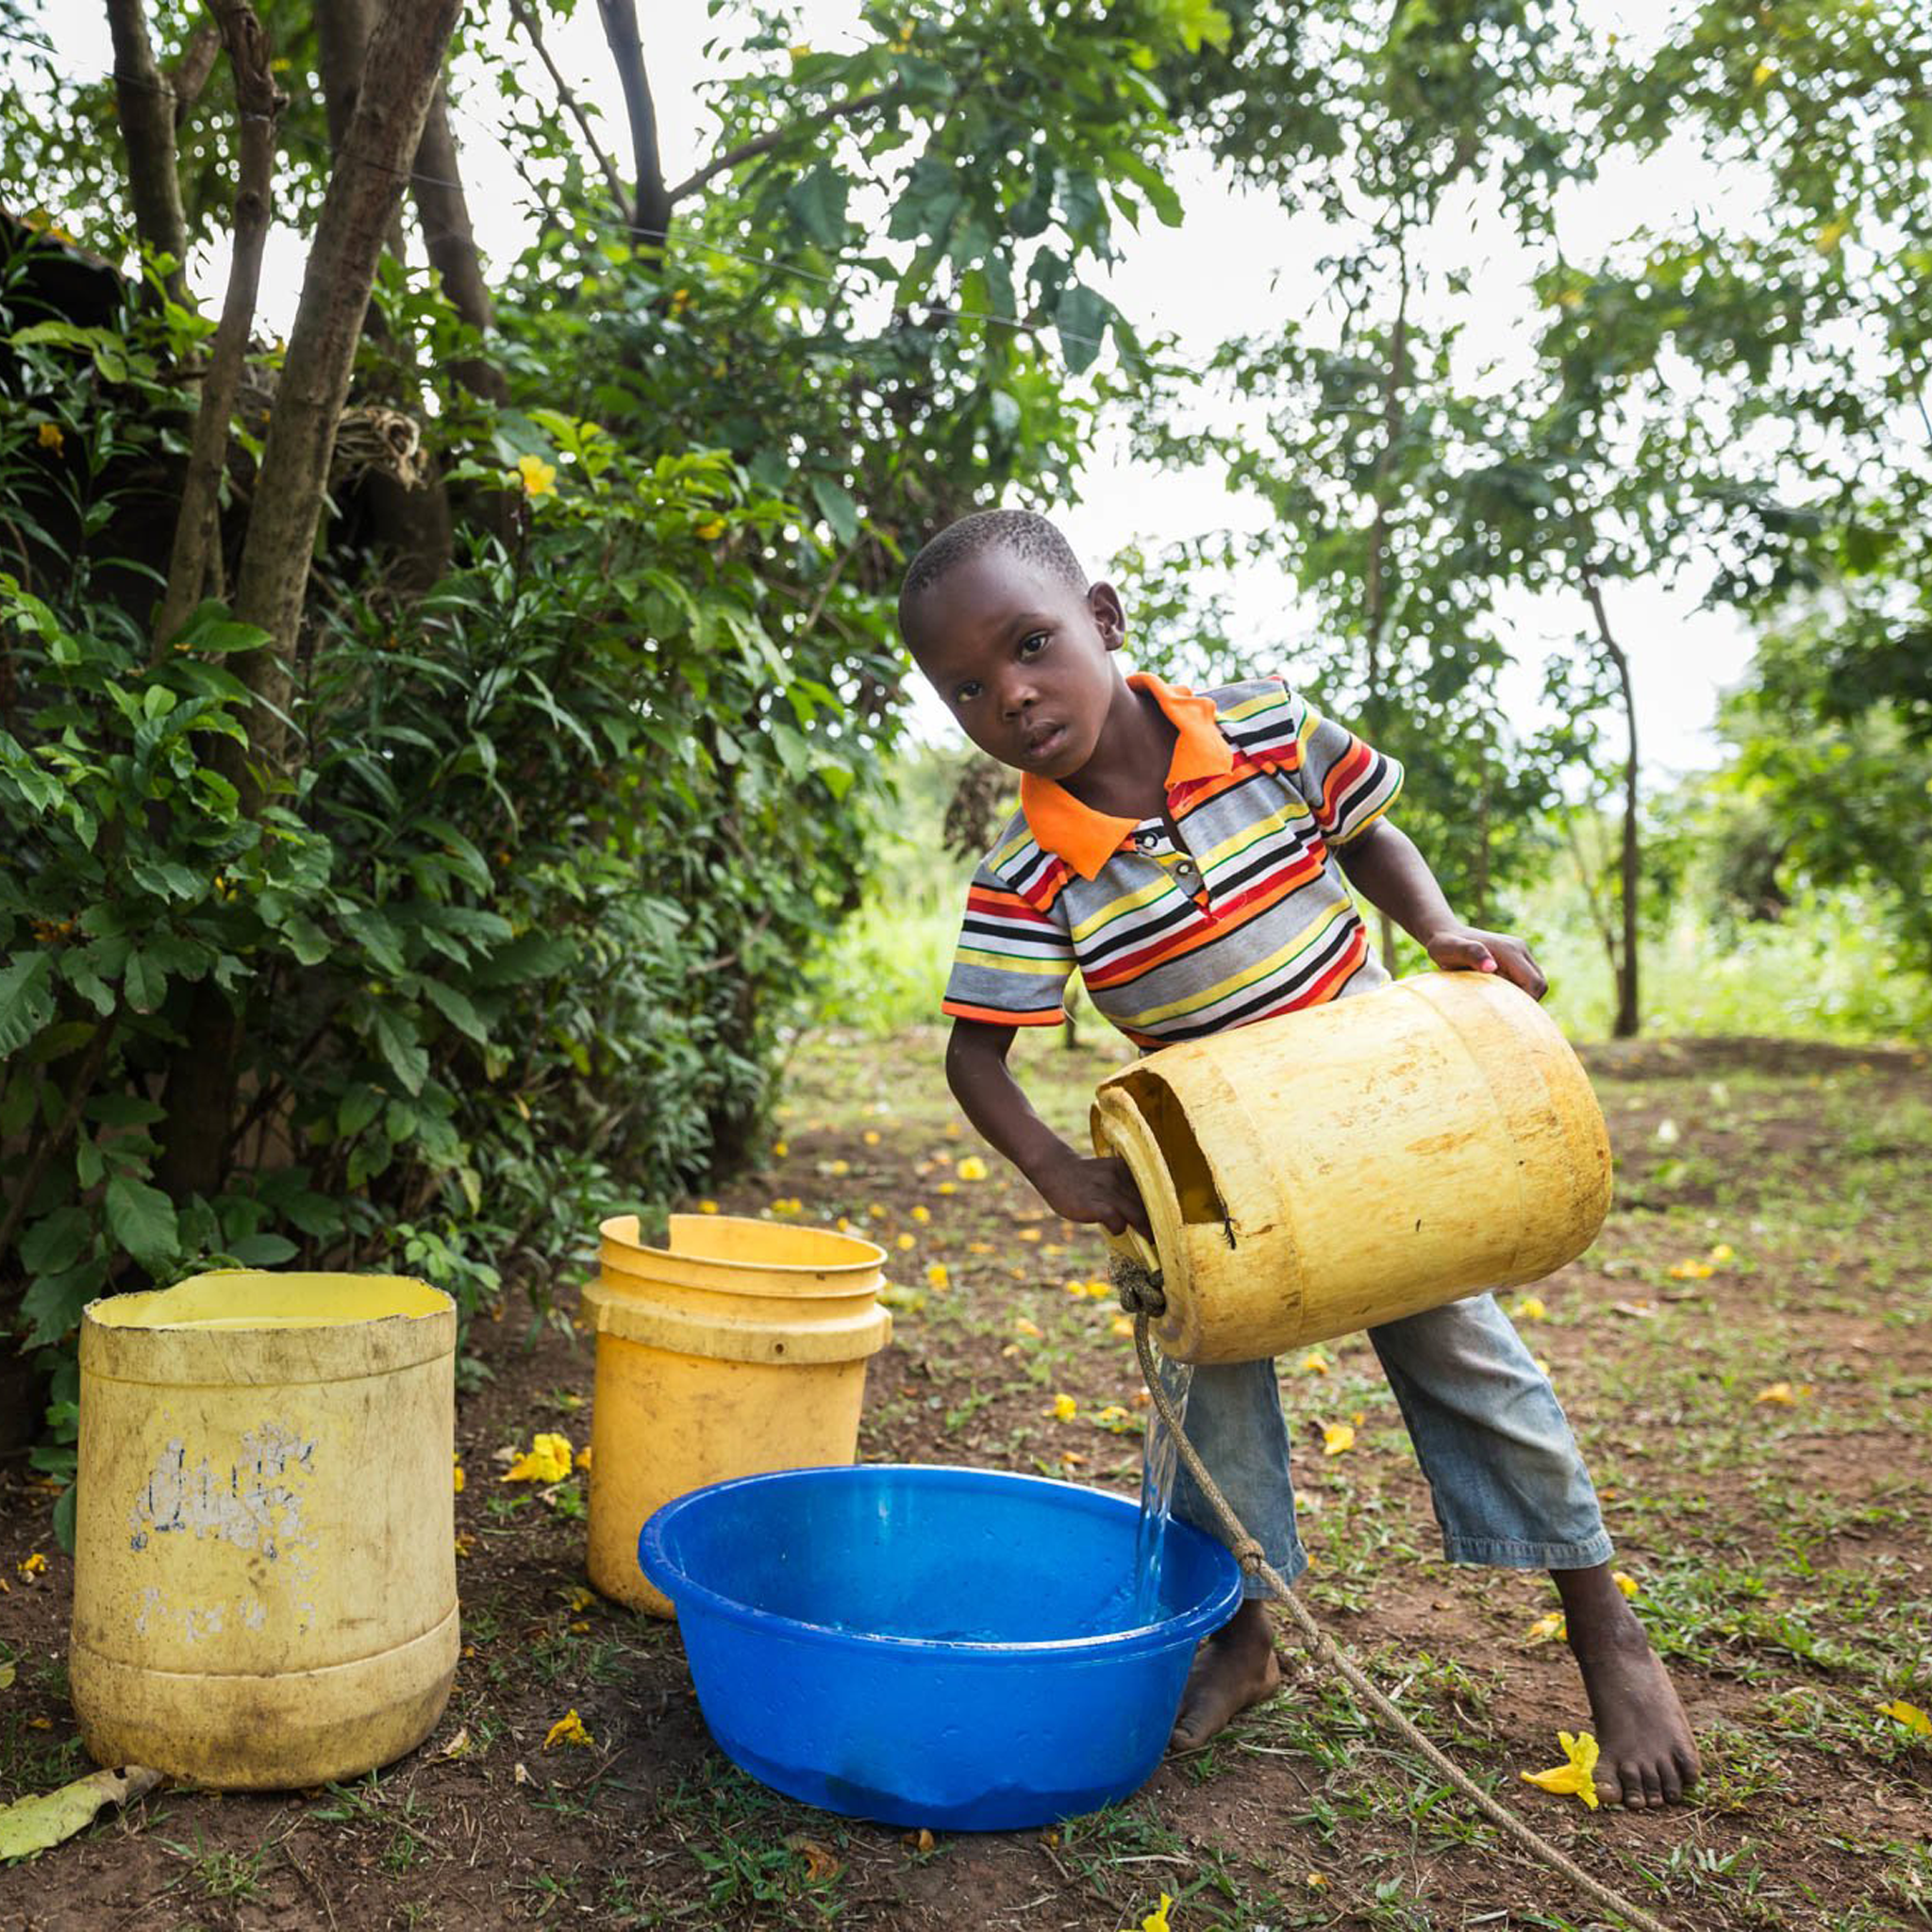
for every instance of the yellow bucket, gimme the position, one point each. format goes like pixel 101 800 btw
pixel 739 1348
pixel 1352 1163
pixel 264 1567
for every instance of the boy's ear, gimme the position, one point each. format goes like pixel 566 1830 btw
pixel 1109 616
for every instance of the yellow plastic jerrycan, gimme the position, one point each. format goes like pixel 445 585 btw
pixel 1352 1163
pixel 264 1565
pixel 739 1348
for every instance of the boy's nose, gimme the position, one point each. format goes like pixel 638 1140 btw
pixel 1017 696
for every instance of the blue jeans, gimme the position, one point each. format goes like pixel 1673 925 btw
pixel 1508 1484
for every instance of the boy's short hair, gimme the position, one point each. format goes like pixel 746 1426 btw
pixel 1021 532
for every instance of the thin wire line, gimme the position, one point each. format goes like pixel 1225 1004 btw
pixel 785 264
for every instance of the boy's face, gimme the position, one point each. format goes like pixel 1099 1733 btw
pixel 1021 658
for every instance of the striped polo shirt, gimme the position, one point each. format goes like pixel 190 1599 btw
pixel 1248 916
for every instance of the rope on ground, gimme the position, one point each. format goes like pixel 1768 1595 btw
pixel 1248 1553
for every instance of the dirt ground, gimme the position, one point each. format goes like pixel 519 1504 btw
pixel 1746 1353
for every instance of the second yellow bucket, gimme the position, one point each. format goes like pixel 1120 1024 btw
pixel 739 1347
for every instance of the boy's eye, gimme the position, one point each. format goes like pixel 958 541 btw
pixel 1033 644
pixel 969 690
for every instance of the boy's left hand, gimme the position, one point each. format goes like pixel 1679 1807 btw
pixel 1469 949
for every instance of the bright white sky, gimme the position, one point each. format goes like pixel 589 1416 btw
pixel 1234 262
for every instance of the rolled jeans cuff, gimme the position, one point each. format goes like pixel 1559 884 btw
pixel 1508 1555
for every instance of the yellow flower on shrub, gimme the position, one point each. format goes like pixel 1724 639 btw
pixel 546 1460
pixel 538 477
pixel 50 437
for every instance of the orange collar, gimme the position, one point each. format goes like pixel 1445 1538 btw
pixel 1086 839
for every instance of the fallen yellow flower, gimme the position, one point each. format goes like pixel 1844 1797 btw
pixel 1908 1715
pixel 1112 1417
pixel 1784 1395
pixel 35 1565
pixel 1155 1921
pixel 1691 1271
pixel 1100 1291
pixel 1530 1308
pixel 1313 1363
pixel 1065 1409
pixel 1124 1326
pixel 780 1149
pixel 970 1168
pixel 546 1460
pixel 921 1214
pixel 1336 1437
pixel 1625 1582
pixel 1552 1628
pixel 708 1206
pixel 1574 1778
pixel 947 1187
pixel 1723 1254
pixel 937 1276
pixel 567 1729
pixel 584 1458
pixel 1023 1326
pixel 457 1474
pixel 1029 1234
pixel 871 1137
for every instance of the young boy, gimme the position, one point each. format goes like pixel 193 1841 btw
pixel 1187 853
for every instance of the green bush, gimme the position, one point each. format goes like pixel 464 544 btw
pixel 505 949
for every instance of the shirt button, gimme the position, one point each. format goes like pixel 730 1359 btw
pixel 1145 840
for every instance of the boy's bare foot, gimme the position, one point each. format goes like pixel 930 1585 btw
pixel 1648 1757
pixel 1234 1669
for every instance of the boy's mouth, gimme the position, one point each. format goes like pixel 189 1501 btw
pixel 1044 743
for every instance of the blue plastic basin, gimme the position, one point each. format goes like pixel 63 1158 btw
pixel 946 1647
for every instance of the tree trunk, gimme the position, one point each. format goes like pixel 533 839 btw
pixel 450 242
pixel 197 555
pixel 1630 873
pixel 1376 592
pixel 416 533
pixel 145 102
pixel 650 218
pixel 403 65
pixel 198 1089
pixel 343 29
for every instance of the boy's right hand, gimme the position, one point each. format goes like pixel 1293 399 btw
pixel 1093 1189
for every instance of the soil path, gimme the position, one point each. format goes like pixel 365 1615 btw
pixel 1746 1353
